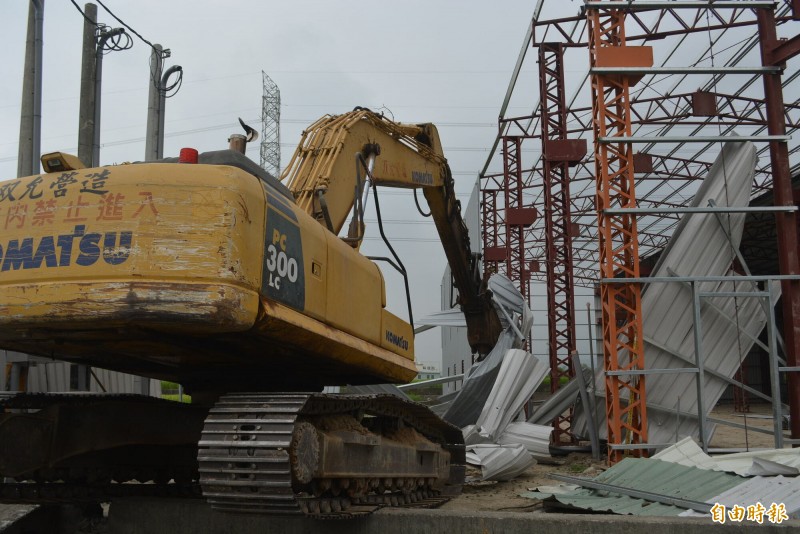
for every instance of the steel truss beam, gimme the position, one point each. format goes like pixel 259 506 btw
pixel 563 29
pixel 667 110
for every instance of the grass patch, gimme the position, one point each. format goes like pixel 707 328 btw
pixel 174 397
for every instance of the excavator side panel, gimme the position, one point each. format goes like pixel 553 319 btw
pixel 166 245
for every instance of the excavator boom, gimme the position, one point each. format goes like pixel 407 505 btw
pixel 325 178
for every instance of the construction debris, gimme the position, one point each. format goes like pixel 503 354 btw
pixel 503 454
pixel 517 319
pixel 682 480
pixel 535 438
pixel 463 407
pixel 496 389
pixel 500 462
pixel 560 401
pixel 519 376
pixel 770 462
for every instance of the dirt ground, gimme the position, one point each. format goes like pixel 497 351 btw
pixel 759 417
pixel 504 496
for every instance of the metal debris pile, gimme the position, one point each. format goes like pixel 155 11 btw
pixel 495 392
pixel 682 480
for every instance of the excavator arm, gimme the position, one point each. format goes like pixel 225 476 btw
pixel 340 156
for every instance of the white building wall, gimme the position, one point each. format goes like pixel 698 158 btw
pixel 456 353
pixel 46 376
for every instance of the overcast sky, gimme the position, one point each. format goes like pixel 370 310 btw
pixel 447 62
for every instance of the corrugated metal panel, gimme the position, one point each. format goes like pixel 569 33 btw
pixel 452 318
pixel 520 374
pixel 54 377
pixel 766 490
pixel 752 463
pixel 747 463
pixel 698 247
pixel 559 402
pixel 686 452
pixel 467 405
pixel 617 504
pixel 654 476
pixel 668 479
pixel 535 438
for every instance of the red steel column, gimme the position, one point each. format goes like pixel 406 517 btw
pixel 493 251
pixel 623 343
pixel 557 158
pixel 786 222
pixel 517 217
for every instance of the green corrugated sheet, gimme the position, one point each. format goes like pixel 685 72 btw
pixel 653 476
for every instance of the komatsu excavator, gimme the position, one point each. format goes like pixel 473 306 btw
pixel 209 272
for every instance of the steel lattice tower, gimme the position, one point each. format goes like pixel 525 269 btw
pixel 271 127
pixel 623 341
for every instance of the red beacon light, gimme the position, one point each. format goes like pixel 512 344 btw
pixel 188 155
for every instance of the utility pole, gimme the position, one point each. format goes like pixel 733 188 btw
pixel 86 114
pixel 30 125
pixel 102 39
pixel 87 121
pixel 157 102
pixel 154 110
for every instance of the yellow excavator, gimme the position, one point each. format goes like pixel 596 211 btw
pixel 250 292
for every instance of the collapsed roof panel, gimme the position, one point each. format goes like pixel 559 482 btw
pixel 702 245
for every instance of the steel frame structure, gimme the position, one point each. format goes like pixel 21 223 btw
pixel 558 228
pixel 493 250
pixel 669 109
pixel 723 39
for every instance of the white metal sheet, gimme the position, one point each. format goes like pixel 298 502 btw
pixel 699 247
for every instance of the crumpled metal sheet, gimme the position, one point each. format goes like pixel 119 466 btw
pixel 535 438
pixel 466 407
pixel 519 375
pixel 653 476
pixel 500 462
pixel 473 437
pixel 768 462
pixel 453 318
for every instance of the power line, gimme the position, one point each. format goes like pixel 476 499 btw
pixel 90 21
pixel 137 34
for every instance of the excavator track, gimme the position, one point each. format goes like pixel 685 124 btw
pixel 282 454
